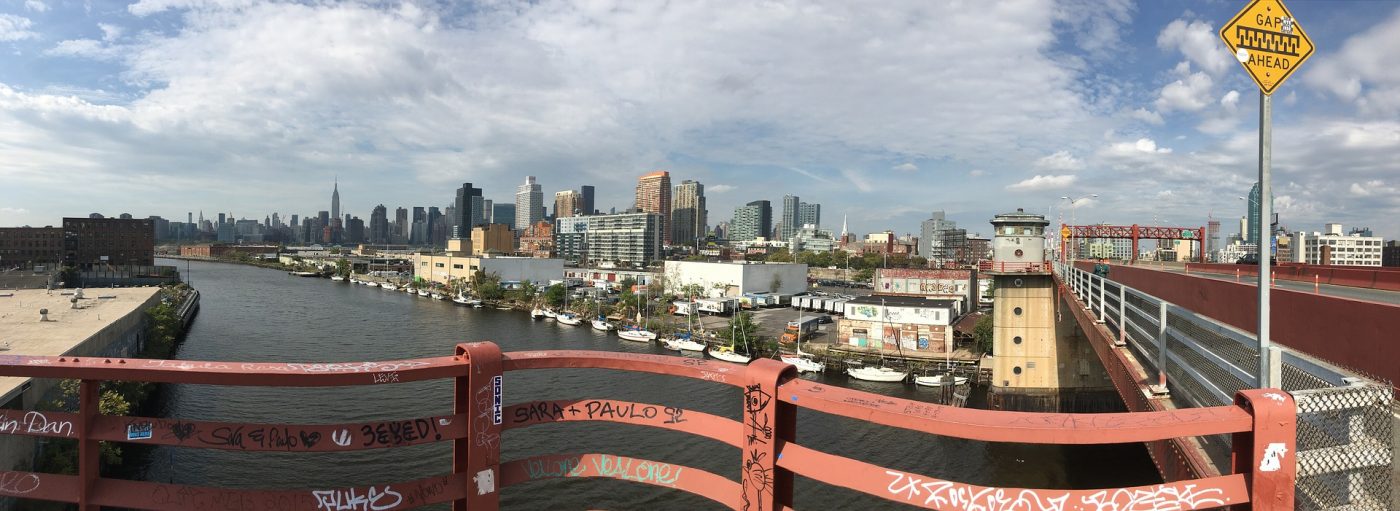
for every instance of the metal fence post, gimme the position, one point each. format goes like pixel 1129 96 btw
pixel 89 450
pixel 768 421
pixel 1162 343
pixel 476 458
pixel 1122 315
pixel 1267 455
pixel 1103 305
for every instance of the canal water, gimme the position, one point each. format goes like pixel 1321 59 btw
pixel 253 314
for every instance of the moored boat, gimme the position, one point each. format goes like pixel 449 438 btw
pixel 940 380
pixel 880 374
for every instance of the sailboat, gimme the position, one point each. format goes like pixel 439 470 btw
pixel 803 361
pixel 882 373
pixel 636 332
pixel 942 380
pixel 727 353
pixel 600 322
pixel 685 341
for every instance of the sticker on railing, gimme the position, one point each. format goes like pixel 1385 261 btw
pixel 496 399
pixel 1273 455
pixel 138 431
pixel 485 480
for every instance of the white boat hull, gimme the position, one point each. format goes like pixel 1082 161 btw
pixel 805 365
pixel 637 335
pixel 729 356
pixel 565 319
pixel 936 381
pixel 881 374
pixel 686 345
pixel 537 314
pixel 603 326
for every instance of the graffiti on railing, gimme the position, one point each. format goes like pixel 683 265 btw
pixel 484 419
pixel 18 483
pixel 757 468
pixel 350 499
pixel 603 465
pixel 941 494
pixel 595 409
pixel 756 401
pixel 33 423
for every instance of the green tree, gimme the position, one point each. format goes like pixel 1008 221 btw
pixel 864 275
pixel 741 331
pixel 780 256
pixel 554 295
pixel 696 257
pixel 918 262
pixel 487 286
pixel 982 334
pixel 342 267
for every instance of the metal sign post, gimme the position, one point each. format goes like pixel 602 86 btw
pixel 1270 45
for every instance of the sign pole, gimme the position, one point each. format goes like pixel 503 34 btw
pixel 1266 107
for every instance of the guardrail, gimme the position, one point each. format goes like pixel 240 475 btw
pixel 1262 423
pixel 1344 441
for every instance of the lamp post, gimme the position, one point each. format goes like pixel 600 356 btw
pixel 1072 211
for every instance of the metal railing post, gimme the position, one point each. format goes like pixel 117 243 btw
pixel 1103 304
pixel 768 422
pixel 1267 455
pixel 1122 315
pixel 1162 343
pixel 89 449
pixel 476 458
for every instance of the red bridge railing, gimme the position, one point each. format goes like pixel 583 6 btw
pixel 1262 422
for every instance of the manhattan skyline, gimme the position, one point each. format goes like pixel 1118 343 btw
pixel 157 108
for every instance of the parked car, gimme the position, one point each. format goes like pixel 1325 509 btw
pixel 823 319
pixel 1253 259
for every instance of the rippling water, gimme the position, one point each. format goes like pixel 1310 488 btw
pixel 252 314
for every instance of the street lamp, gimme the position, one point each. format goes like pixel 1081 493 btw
pixel 1072 211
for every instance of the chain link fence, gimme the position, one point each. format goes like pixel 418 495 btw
pixel 1345 421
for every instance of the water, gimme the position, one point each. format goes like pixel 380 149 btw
pixel 252 314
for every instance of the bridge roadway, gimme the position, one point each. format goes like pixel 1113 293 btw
pixel 1350 292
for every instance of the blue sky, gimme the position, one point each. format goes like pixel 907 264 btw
pixel 879 111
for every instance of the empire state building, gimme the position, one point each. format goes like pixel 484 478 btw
pixel 335 200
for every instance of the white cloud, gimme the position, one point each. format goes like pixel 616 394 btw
pixel 1191 93
pixel 1061 160
pixel 35 5
pixel 1198 41
pixel 1046 182
pixel 1141 146
pixel 857 180
pixel 12 211
pixel 84 48
pixel 1361 72
pixel 1147 116
pixel 110 32
pixel 977 173
pixel 15 28
pixel 905 167
pixel 720 188
pixel 1230 99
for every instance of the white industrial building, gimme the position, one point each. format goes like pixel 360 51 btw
pixel 1342 249
pixel 446 269
pixel 735 279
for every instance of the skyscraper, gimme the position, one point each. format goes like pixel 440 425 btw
pixel 528 202
pixel 566 204
pixel 751 221
pixel 379 225
pixel 688 213
pixel 335 199
pixel 418 230
pixel 931 236
pixel 1212 237
pixel 401 226
pixel 585 203
pixel 809 214
pixel 503 214
pixel 792 207
pixel 654 196
pixel 468 203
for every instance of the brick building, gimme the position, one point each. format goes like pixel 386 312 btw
pixel 109 241
pixel 30 245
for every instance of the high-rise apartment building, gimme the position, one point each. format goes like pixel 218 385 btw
pixel 654 196
pixel 1212 237
pixel 528 202
pixel 566 204
pixel 688 213
pixel 401 226
pixel 585 203
pixel 792 207
pixel 1253 224
pixel 931 236
pixel 809 214
pixel 462 224
pixel 751 221
pixel 625 238
pixel 570 235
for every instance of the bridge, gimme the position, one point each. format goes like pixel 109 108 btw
pixel 1259 476
pixel 1179 338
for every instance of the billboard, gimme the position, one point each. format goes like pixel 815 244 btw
pixel 921 282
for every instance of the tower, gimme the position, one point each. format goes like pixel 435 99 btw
pixel 466 216
pixel 654 196
pixel 528 201
pixel 791 212
pixel 335 199
pixel 688 213
pixel 1038 364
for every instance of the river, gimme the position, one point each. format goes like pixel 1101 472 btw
pixel 254 314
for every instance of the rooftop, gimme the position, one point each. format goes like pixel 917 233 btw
pixel 21 332
pixel 902 301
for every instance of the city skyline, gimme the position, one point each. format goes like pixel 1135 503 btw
pixel 1145 109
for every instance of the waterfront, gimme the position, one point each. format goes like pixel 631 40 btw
pixel 252 314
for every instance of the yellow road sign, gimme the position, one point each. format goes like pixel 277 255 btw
pixel 1268 42
pixel 1064 232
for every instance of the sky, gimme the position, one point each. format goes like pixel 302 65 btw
pixel 880 111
